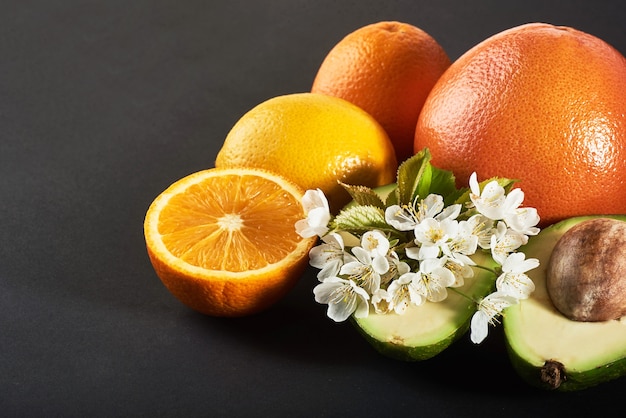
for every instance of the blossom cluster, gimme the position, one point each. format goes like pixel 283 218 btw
pixel 415 252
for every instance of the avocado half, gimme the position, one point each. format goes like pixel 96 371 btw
pixel 424 331
pixel 551 351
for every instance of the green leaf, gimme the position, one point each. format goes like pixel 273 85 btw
pixel 443 183
pixel 357 219
pixel 460 196
pixel 409 175
pixel 364 196
pixel 418 177
pixel 422 188
pixel 392 198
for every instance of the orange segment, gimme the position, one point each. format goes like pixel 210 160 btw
pixel 223 241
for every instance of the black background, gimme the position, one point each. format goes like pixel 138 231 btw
pixel 103 104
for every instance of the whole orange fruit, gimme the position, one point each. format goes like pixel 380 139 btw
pixel 314 140
pixel 224 241
pixel 387 69
pixel 539 103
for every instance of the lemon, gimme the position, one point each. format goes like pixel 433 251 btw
pixel 314 140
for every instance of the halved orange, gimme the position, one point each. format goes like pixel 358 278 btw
pixel 223 241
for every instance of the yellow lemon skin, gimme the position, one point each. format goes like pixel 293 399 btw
pixel 314 140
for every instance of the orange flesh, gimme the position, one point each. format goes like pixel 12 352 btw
pixel 226 215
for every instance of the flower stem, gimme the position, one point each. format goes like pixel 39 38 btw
pixel 458 292
pixel 495 273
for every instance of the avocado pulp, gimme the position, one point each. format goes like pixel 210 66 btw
pixel 551 351
pixel 426 330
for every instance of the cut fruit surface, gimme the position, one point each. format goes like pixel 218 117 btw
pixel 551 351
pixel 426 330
pixel 223 241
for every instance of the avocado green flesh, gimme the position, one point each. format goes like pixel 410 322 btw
pixel 538 336
pixel 426 330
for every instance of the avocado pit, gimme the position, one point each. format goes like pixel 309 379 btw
pixel 586 273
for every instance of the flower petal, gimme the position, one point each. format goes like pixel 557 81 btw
pixel 400 218
pixel 339 312
pixel 517 285
pixel 304 229
pixel 330 269
pixel 318 217
pixel 451 212
pixel 314 199
pixel 362 255
pixel 473 183
pixel 324 291
pixel 523 220
pixel 353 268
pixel 412 252
pixel 380 264
pixel 479 327
pixel 430 206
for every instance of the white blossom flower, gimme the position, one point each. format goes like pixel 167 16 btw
pixel 523 220
pixel 403 292
pixel 512 202
pixel 396 268
pixel 495 204
pixel 403 218
pixel 461 246
pixel 382 301
pixel 513 281
pixel 343 297
pixel 489 201
pixel 365 270
pixel 460 271
pixel 429 207
pixel 375 243
pixel 482 228
pixel 329 256
pixel 433 279
pixel 430 235
pixel 316 207
pixel 505 241
pixel 406 217
pixel 489 308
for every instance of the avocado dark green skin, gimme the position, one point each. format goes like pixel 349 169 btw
pixel 553 374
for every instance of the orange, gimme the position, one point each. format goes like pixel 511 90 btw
pixel 539 103
pixel 315 141
pixel 224 242
pixel 387 69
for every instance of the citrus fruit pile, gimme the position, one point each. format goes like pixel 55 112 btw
pixel 538 103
